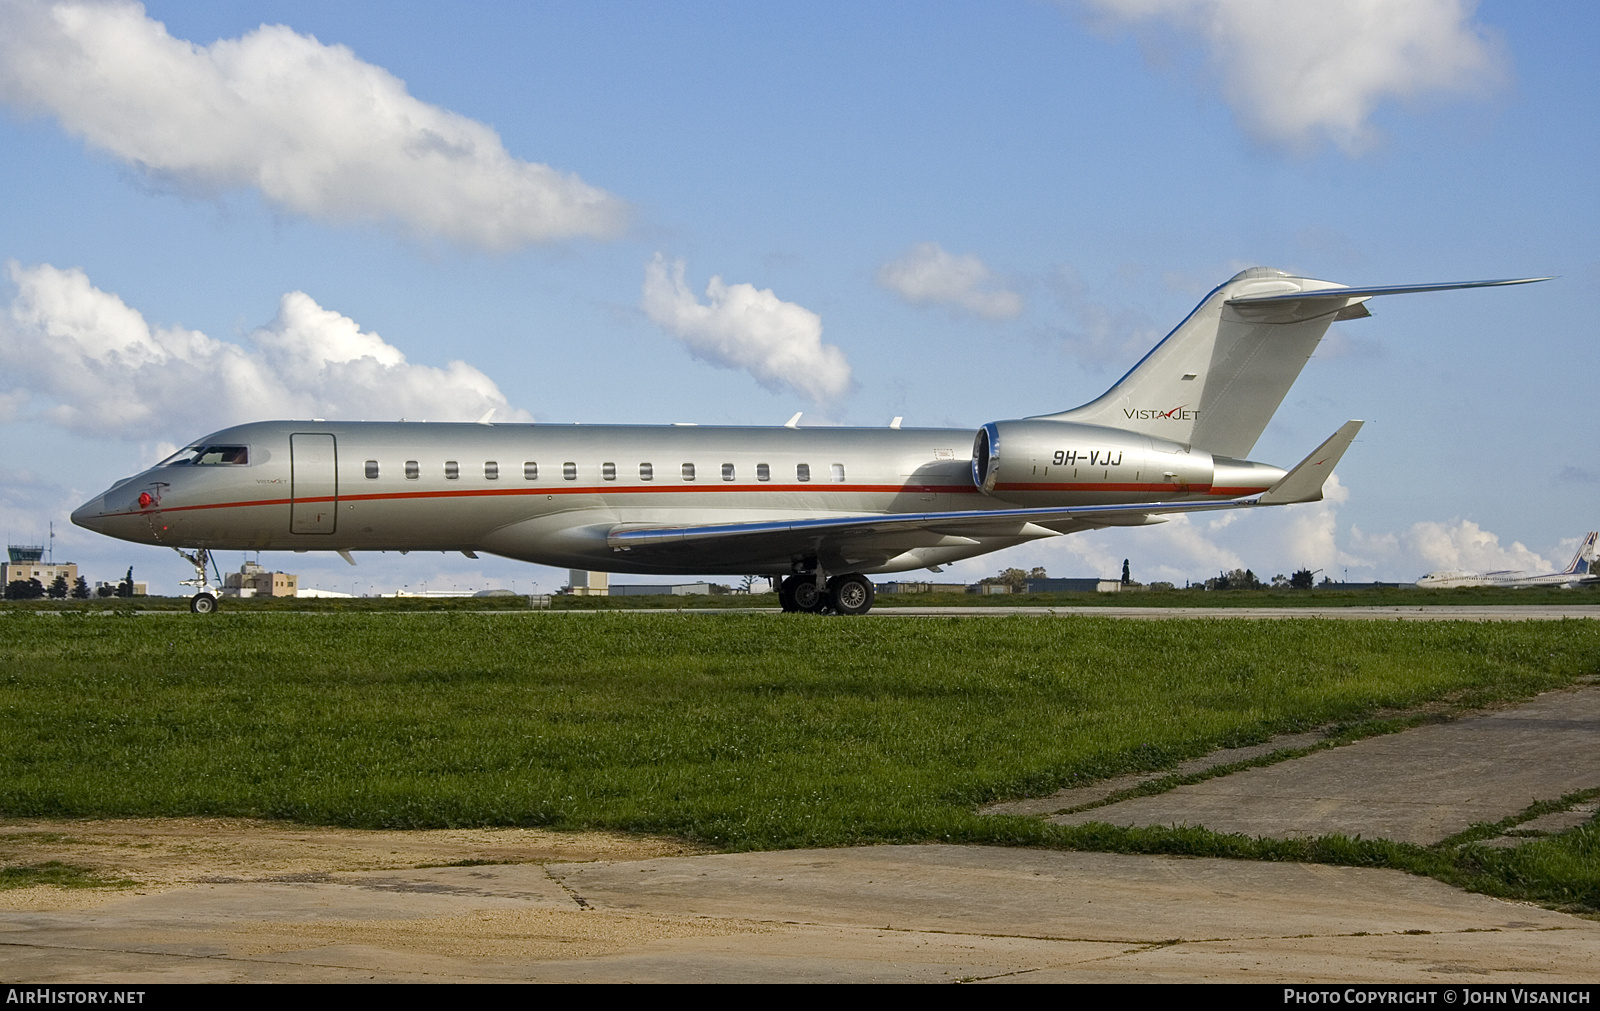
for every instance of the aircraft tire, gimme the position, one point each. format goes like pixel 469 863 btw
pixel 851 594
pixel 203 603
pixel 806 596
pixel 786 594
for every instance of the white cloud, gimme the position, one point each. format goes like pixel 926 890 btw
pixel 740 327
pixel 1295 72
pixel 1462 544
pixel 926 274
pixel 315 129
pixel 90 363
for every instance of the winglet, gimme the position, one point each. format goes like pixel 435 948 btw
pixel 1304 483
pixel 794 422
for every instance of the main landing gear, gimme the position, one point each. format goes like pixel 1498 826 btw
pixel 851 593
pixel 204 601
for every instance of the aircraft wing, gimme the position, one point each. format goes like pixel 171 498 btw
pixel 891 533
pixel 973 522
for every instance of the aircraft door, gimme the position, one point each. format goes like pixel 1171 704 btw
pixel 313 483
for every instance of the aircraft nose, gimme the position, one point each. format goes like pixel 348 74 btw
pixel 90 514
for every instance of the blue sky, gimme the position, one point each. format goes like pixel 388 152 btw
pixel 951 212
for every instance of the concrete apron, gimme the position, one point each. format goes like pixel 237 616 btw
pixel 891 913
pixel 1418 786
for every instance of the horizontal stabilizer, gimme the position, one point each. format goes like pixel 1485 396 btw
pixel 1304 483
pixel 1332 294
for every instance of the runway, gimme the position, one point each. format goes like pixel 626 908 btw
pixel 1513 612
pixel 1509 612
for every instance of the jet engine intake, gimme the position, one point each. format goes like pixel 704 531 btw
pixel 1037 462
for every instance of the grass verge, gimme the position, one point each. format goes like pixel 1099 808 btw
pixel 1561 871
pixel 741 732
pixel 59 875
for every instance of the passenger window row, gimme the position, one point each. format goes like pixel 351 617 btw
pixel 608 471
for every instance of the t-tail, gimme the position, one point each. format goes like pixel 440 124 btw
pixel 1216 381
pixel 1583 561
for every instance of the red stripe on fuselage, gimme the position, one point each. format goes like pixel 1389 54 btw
pixel 1100 486
pixel 890 489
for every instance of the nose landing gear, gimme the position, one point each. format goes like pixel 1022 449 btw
pixel 204 601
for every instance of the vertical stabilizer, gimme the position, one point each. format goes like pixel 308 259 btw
pixel 1582 561
pixel 1216 380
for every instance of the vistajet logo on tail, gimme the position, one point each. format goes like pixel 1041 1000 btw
pixel 1179 413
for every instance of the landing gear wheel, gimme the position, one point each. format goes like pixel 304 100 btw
pixel 806 596
pixel 786 594
pixel 851 594
pixel 203 603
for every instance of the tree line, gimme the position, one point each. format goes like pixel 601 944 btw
pixel 32 589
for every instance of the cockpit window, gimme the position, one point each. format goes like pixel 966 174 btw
pixel 208 456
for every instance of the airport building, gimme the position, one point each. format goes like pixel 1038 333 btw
pixel 1089 585
pixel 139 589
pixel 252 580
pixel 588 584
pixel 26 561
pixel 660 589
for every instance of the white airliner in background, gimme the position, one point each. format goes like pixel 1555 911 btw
pixel 1578 572
pixel 823 508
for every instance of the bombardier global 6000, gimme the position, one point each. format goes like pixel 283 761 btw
pixel 822 508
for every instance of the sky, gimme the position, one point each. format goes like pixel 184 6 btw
pixel 725 213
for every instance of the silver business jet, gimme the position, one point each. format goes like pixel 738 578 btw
pixel 822 508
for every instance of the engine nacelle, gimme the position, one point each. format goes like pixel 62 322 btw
pixel 1030 462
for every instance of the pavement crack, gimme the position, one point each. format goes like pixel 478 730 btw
pixel 571 893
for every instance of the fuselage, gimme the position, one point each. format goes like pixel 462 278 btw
pixel 1451 579
pixel 550 493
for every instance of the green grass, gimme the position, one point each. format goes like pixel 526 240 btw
pixel 744 732
pixel 56 873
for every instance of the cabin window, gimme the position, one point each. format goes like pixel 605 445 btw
pixel 569 471
pixel 647 472
pixel 763 472
pixel 452 470
pixel 608 471
pixel 412 470
pixel 530 471
pixel 372 469
pixel 727 472
pixel 836 472
pixel 688 472
pixel 491 470
pixel 802 472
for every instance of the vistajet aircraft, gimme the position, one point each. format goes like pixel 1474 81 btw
pixel 1579 571
pixel 822 508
